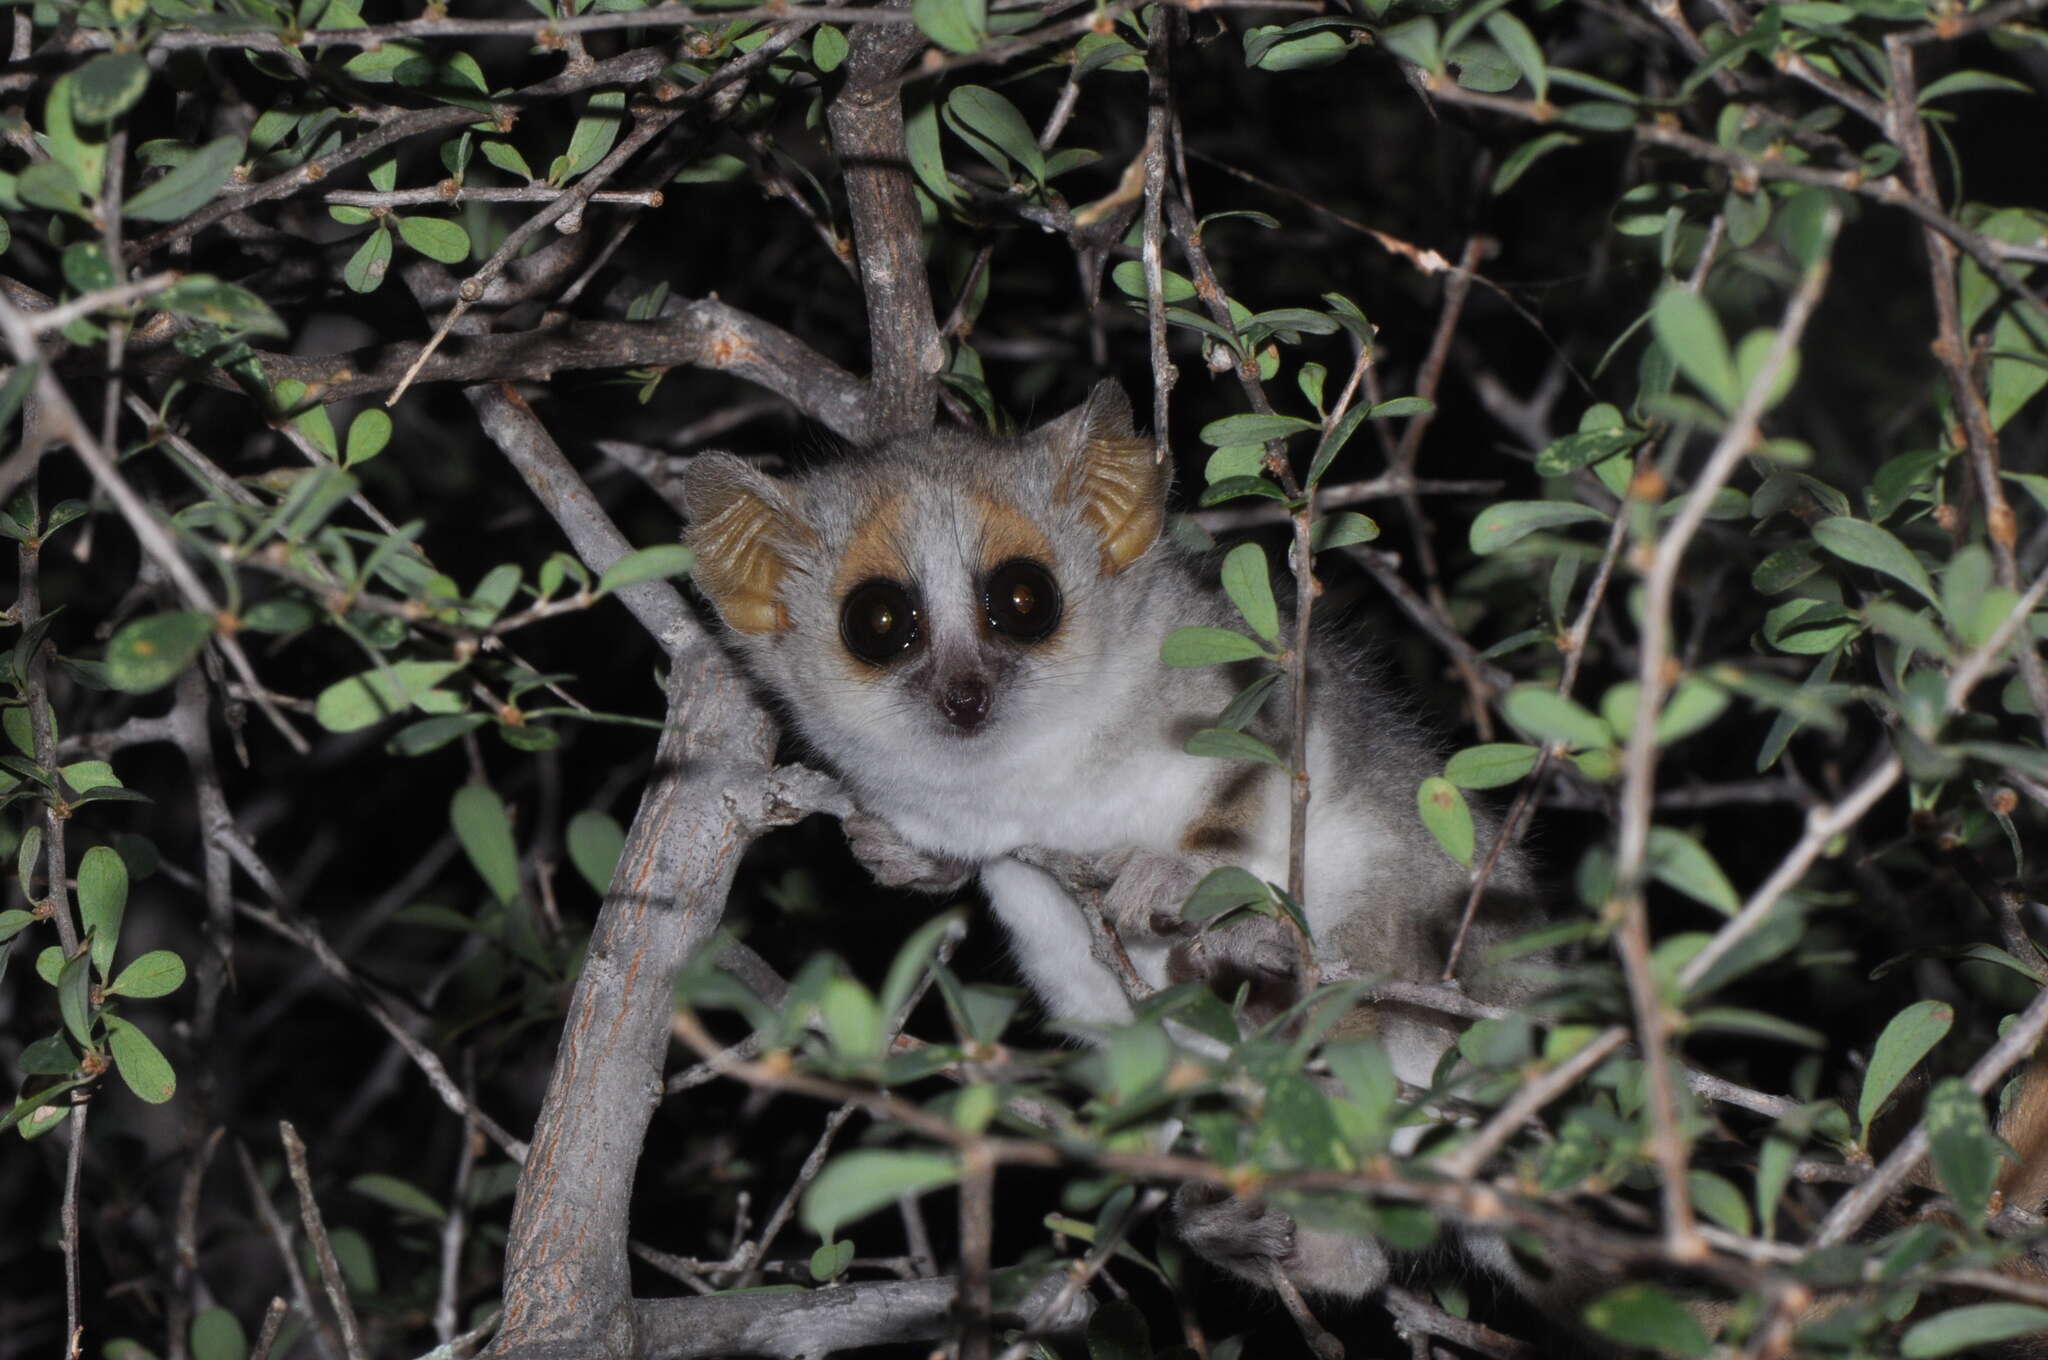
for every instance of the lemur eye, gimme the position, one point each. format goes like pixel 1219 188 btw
pixel 880 621
pixel 1022 599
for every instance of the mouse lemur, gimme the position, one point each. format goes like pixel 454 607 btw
pixel 967 629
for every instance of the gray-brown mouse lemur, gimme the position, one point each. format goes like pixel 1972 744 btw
pixel 967 629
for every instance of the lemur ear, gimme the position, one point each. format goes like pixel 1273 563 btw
pixel 1110 470
pixel 741 528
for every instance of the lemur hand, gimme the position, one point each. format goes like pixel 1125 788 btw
pixel 1249 1237
pixel 1144 899
pixel 897 864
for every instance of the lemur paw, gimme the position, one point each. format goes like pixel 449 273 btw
pixel 1236 1233
pixel 1250 1238
pixel 1146 890
pixel 897 864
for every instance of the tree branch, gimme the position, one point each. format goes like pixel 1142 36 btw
pixel 867 136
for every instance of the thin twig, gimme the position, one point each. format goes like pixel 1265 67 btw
pixel 74 1168
pixel 1854 1209
pixel 280 1235
pixel 1158 98
pixel 323 1249
pixel 1639 758
pixel 1509 835
pixel 977 1228
pixel 273 1323
pixel 66 424
pixel 1080 1273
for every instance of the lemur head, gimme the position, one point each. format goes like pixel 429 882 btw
pixel 943 589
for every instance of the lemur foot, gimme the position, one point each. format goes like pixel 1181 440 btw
pixel 1249 1237
pixel 897 864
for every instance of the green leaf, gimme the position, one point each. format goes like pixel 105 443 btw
pixel 368 698
pixel 190 186
pixel 1646 1315
pixel 108 86
pixel 1200 646
pixel 1970 82
pixel 217 1336
pixel 1977 1324
pixel 1597 116
pixel 1965 1152
pixel 74 998
pixel 828 50
pixel 1807 627
pixel 646 564
pixel 829 1261
pixel 1518 161
pixel 1221 743
pixel 995 119
pixel 1692 335
pixel 1491 765
pixel 1720 1201
pixel 1247 582
pixel 911 961
pixel 485 830
pixel 1678 861
pixel 1750 358
pixel 102 901
pixel 1341 530
pixel 1549 716
pixel 85 267
pixel 401 1195
pixel 366 268
pixel 1520 45
pixel 857 1183
pixel 368 433
pixel 1223 890
pixel 13 921
pixel 432 734
pixel 1911 1036
pixel 1693 705
pixel 1231 488
pixel 1867 545
pixel 507 158
pixel 436 238
pixel 157 973
pixel 1414 41
pixel 153 651
pixel 229 306
pixel 593 135
pixel 1784 569
pixel 1117 1331
pixel 956 25
pixel 1272 49
pixel 85 158
pixel 927 160
pixel 1253 428
pixel 853 1022
pixel 595 844
pixel 48 184
pixel 1448 817
pixel 1399 407
pixel 1129 277
pixel 1584 449
pixel 1509 522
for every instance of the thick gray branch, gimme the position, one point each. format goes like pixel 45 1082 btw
pixel 566 1277
pixel 867 135
pixel 526 444
pixel 821 1321
pixel 703 334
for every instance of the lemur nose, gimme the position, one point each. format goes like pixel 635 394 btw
pixel 964 701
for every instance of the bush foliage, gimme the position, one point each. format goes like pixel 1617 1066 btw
pixel 1650 384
